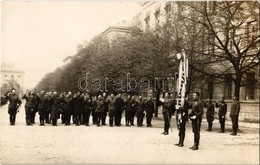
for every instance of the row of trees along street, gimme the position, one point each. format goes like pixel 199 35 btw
pixel 218 38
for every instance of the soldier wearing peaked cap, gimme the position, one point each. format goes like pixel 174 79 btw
pixel 14 104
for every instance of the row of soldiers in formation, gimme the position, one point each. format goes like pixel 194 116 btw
pixel 81 106
pixel 182 116
pixel 52 107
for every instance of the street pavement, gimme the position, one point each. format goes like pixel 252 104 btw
pixel 122 145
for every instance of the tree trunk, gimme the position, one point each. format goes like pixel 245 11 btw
pixel 158 92
pixel 238 83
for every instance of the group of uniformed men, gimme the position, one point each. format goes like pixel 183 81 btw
pixel 80 106
pixel 196 116
pixel 52 106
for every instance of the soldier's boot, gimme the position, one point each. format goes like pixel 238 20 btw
pixel 197 139
pixel 210 127
pixel 182 140
pixel 196 147
pixel 177 144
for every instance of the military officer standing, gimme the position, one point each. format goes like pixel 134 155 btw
pixel 234 114
pixel 149 108
pixel 210 114
pixel 55 106
pixel 128 109
pixel 105 99
pixel 166 105
pixel 196 118
pixel 99 109
pixel 182 117
pixel 30 105
pixel 42 106
pixel 14 103
pixel 86 103
pixel 111 110
pixel 140 111
pixel 222 111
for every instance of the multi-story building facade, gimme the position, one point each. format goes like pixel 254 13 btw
pixel 155 14
pixel 11 77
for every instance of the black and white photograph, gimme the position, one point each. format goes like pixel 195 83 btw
pixel 129 82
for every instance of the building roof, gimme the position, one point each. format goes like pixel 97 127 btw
pixel 124 26
pixel 9 67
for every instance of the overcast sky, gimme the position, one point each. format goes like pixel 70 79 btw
pixel 38 35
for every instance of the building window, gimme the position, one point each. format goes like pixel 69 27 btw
pixel 250 87
pixel 157 18
pixel 147 22
pixel 251 31
pixel 5 75
pixel 12 76
pixel 18 76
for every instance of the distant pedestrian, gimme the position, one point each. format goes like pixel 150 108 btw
pixel 14 104
pixel 222 111
pixel 210 114
pixel 234 115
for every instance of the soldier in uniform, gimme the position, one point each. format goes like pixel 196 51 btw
pixel 30 105
pixel 99 109
pixel 67 108
pixel 35 109
pixel 196 118
pixel 42 106
pixel 76 108
pixel 62 96
pixel 149 108
pixel 166 105
pixel 128 110
pixel 86 103
pixel 105 99
pixel 182 118
pixel 111 110
pixel 140 111
pixel 210 114
pixel 222 114
pixel 48 111
pixel 93 112
pixel 234 114
pixel 14 103
pixel 119 104
pixel 133 104
pixel 55 106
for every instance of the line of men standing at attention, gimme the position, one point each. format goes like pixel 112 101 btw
pixel 182 116
pixel 80 106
